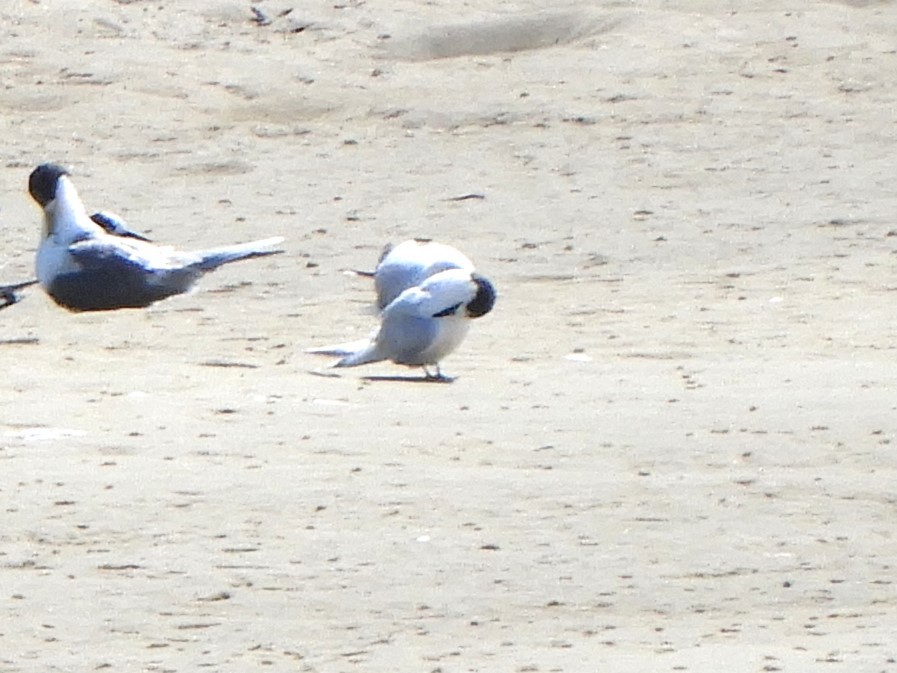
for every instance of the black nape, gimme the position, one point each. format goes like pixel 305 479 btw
pixel 42 182
pixel 484 300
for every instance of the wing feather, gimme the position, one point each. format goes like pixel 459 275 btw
pixel 435 297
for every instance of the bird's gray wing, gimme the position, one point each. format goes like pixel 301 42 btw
pixel 412 263
pixel 391 280
pixel 214 257
pixel 111 273
pixel 120 260
pixel 411 323
pixel 438 296
pixel 403 337
pixel 114 225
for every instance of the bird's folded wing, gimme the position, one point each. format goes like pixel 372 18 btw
pixel 107 252
pixel 434 298
pixel 212 258
pixel 390 281
pixel 115 225
pixel 412 263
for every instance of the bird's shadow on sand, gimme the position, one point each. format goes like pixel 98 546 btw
pixel 411 379
pixel 393 378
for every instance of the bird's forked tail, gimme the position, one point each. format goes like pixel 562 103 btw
pixel 353 353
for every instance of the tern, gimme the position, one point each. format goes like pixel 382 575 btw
pixel 89 266
pixel 423 324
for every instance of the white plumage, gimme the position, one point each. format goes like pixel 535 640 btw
pixel 410 263
pixel 429 293
pixel 84 267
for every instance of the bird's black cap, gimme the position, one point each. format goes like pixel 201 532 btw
pixel 484 299
pixel 42 182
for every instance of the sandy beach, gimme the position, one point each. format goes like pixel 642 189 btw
pixel 670 447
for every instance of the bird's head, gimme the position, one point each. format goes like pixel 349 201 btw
pixel 43 181
pixel 484 299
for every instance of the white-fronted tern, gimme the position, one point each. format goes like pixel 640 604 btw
pixel 83 267
pixel 424 323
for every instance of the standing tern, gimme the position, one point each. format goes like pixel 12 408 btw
pixel 423 324
pixel 84 267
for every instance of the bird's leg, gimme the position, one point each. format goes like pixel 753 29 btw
pixel 438 376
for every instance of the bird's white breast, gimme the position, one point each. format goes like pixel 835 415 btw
pixel 451 332
pixel 53 260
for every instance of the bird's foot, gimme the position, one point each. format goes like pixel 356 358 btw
pixel 437 376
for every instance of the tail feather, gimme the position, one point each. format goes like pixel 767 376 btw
pixel 214 257
pixel 17 286
pixel 362 357
pixel 353 353
pixel 8 293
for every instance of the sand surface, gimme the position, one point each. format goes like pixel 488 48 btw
pixel 669 448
